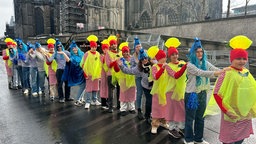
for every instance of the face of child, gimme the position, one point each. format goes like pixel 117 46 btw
pixel 174 57
pixel 126 54
pixel 145 61
pixel 162 60
pixel 59 47
pixel 137 48
pixel 239 63
pixel 74 50
pixel 199 53
pixel 113 47
pixel 93 49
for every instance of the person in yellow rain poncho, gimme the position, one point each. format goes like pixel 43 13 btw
pixel 235 94
pixel 111 60
pixel 92 67
pixel 175 112
pixel 127 83
pixel 104 75
pixel 51 68
pixel 159 88
pixel 8 63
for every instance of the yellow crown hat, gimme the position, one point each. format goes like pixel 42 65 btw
pixel 124 47
pixel 239 44
pixel 93 40
pixel 105 44
pixel 152 51
pixel 172 44
pixel 112 39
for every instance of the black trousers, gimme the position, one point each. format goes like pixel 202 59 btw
pixel 111 91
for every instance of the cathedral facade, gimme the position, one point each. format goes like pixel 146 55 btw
pixel 74 16
pixel 36 17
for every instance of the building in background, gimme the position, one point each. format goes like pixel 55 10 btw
pixel 155 13
pixel 9 28
pixel 72 17
pixel 36 17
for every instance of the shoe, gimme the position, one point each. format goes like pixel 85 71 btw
pixel 69 99
pixel 166 126
pixel 25 91
pixel 148 120
pixel 87 106
pixel 34 94
pixel 15 87
pixel 174 133
pixel 154 130
pixel 61 101
pixel 19 87
pixel 132 111
pixel 188 142
pixel 52 98
pixel 78 103
pixel 97 103
pixel 104 107
pixel 110 110
pixel 40 92
pixel 140 115
pixel 123 113
pixel 181 132
pixel 203 142
pixel 82 101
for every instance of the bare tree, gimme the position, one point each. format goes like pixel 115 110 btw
pixel 245 8
pixel 228 9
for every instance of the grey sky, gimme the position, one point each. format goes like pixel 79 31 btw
pixel 7 10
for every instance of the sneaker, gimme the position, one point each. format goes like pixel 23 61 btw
pixel 40 92
pixel 174 133
pixel 104 107
pixel 78 103
pixel 110 110
pixel 87 106
pixel 52 98
pixel 69 99
pixel 123 113
pixel 61 101
pixel 166 125
pixel 154 130
pixel 15 87
pixel 25 91
pixel 97 103
pixel 188 142
pixel 203 142
pixel 132 111
pixel 140 115
pixel 34 94
pixel 181 132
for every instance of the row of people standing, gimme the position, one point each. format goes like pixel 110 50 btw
pixel 179 97
pixel 175 92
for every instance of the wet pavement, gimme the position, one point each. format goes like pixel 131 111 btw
pixel 37 120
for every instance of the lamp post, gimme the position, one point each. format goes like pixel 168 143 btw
pixel 111 10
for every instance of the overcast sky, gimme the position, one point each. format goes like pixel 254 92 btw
pixel 6 10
